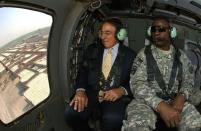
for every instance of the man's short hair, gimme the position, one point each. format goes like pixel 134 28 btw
pixel 114 21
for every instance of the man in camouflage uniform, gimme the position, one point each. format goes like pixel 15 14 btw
pixel 153 100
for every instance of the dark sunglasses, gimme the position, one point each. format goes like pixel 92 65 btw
pixel 159 29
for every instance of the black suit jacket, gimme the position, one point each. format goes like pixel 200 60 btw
pixel 90 69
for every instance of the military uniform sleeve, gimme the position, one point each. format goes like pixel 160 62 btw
pixel 187 76
pixel 140 88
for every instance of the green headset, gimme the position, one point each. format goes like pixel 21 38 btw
pixel 173 32
pixel 121 32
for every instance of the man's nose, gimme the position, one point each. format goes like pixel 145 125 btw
pixel 103 36
pixel 156 32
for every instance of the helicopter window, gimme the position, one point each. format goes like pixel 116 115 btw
pixel 23 61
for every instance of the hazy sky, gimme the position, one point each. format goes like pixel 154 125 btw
pixel 15 22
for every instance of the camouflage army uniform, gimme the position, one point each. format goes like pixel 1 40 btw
pixel 141 115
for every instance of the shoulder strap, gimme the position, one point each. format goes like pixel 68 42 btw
pixel 154 72
pixel 177 65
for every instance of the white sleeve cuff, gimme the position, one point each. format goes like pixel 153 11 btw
pixel 80 89
pixel 125 91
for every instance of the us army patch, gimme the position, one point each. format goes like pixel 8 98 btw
pixel 136 64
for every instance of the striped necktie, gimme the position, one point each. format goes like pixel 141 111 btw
pixel 107 63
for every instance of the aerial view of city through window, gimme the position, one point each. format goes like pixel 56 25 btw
pixel 23 61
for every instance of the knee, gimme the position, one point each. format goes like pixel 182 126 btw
pixel 113 118
pixel 112 122
pixel 71 114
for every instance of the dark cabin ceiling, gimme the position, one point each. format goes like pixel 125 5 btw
pixel 183 11
pixel 187 12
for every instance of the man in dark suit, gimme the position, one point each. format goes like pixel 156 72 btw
pixel 100 86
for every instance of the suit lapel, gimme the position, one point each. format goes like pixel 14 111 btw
pixel 100 58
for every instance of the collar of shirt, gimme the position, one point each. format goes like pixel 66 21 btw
pixel 114 52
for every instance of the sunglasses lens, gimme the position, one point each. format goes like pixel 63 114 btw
pixel 153 29
pixel 161 29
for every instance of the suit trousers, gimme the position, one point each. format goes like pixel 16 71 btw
pixel 110 114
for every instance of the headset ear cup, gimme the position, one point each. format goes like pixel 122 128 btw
pixel 122 34
pixel 149 31
pixel 173 32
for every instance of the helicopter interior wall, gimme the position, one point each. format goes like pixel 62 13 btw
pixel 71 22
pixel 187 33
pixel 136 32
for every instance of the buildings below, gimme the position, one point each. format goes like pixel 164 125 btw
pixel 23 76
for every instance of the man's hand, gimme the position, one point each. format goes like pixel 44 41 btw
pixel 79 101
pixel 170 116
pixel 114 94
pixel 178 103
